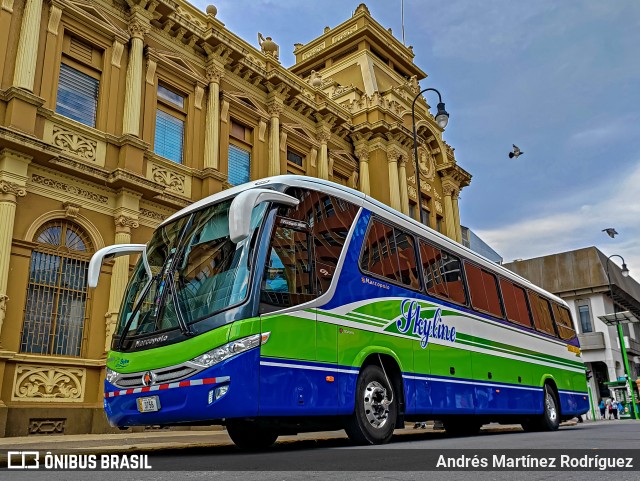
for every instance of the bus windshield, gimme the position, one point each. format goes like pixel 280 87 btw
pixel 196 271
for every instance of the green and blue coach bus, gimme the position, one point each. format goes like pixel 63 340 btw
pixel 294 304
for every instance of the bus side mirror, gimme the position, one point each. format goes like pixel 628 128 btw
pixel 242 207
pixel 109 253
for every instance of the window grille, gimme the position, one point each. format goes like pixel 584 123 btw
pixel 77 95
pixel 56 306
pixel 239 165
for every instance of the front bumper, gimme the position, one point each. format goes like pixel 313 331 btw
pixel 190 400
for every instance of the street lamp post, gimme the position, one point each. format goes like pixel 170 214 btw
pixel 442 118
pixel 623 347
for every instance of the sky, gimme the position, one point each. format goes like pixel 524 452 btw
pixel 560 79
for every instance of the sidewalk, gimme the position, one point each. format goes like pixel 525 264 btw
pixel 159 440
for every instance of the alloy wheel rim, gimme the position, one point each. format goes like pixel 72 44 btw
pixel 551 407
pixel 376 404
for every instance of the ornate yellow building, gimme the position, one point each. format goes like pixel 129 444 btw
pixel 115 114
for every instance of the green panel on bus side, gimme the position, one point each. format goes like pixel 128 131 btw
pixel 449 361
pixel 164 356
pixel 291 337
pixel 244 328
pixel 326 342
pixel 354 345
pixel 501 369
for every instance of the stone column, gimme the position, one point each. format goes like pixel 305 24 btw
pixel 324 135
pixel 119 276
pixel 9 193
pixel 275 108
pixel 448 188
pixel 13 179
pixel 133 88
pixel 362 152
pixel 394 185
pixel 27 54
pixel 404 193
pixel 212 121
pixel 456 214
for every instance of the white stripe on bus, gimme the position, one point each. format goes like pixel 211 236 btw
pixel 306 366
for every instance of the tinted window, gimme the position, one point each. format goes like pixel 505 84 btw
pixel 563 322
pixel 407 259
pixel 541 313
pixel 287 277
pixel 442 273
pixel 483 289
pixel 515 303
pixel 389 253
pixel 329 219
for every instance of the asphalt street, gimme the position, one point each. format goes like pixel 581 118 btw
pixel 315 459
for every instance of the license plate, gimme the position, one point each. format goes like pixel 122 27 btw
pixel 148 404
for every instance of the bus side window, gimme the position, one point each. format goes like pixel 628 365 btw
pixel 389 252
pixel 515 303
pixel 287 277
pixel 442 273
pixel 542 319
pixel 329 219
pixel 483 288
pixel 563 322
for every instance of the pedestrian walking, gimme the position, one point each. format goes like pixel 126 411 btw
pixel 602 408
pixel 607 404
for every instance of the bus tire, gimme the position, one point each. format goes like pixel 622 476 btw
pixel 549 420
pixel 249 436
pixel 373 420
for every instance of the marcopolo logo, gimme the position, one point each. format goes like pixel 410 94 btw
pixel 425 328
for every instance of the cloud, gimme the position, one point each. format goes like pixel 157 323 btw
pixel 578 225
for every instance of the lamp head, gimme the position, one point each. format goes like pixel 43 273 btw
pixel 442 117
pixel 625 270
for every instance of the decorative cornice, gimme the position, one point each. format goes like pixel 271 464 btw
pixel 152 214
pixel 70 189
pixel 12 188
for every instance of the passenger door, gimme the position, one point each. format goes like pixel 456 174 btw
pixel 287 374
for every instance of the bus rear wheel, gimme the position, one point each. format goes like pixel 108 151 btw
pixel 549 420
pixel 249 436
pixel 374 418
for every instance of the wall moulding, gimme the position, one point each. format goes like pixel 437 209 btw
pixel 57 384
pixel 81 142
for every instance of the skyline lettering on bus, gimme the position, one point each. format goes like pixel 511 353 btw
pixel 425 328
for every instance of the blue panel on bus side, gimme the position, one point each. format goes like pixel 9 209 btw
pixel 573 403
pixel 505 399
pixel 300 388
pixel 191 402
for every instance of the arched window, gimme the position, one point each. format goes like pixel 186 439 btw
pixel 57 294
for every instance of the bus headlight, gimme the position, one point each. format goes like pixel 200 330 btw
pixel 230 349
pixel 111 375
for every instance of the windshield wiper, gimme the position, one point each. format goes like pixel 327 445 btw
pixel 135 311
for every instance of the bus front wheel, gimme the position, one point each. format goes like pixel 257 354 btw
pixel 374 418
pixel 249 436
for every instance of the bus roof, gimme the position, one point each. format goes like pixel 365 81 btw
pixel 370 203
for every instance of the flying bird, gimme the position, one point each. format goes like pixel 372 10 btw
pixel 611 232
pixel 516 152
